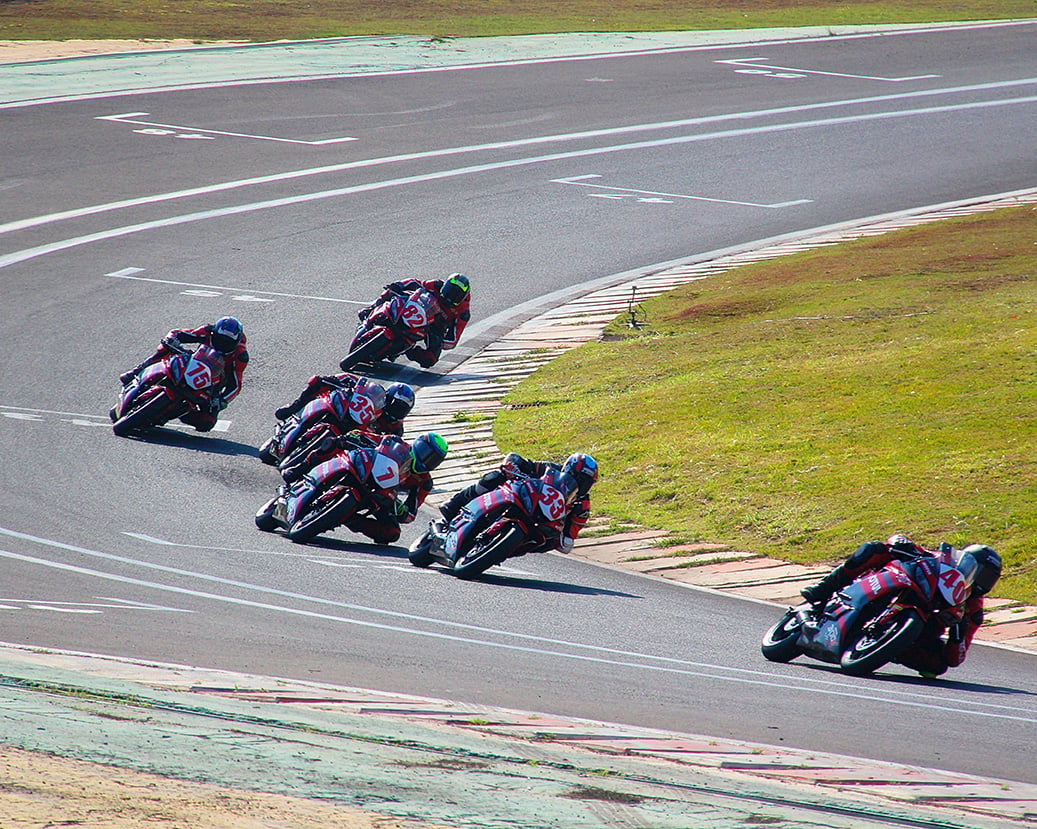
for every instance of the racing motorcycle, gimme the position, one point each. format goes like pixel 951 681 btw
pixel 169 388
pixel 392 327
pixel 523 515
pixel 877 617
pixel 332 414
pixel 354 484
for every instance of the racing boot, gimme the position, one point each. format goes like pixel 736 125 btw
pixel 451 508
pixel 819 594
pixel 294 407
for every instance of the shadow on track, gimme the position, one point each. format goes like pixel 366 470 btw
pixel 943 682
pixel 545 586
pixel 196 442
pixel 340 545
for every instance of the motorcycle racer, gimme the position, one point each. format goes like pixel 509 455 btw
pixel 933 653
pixel 399 400
pixel 227 336
pixel 415 461
pixel 581 467
pixel 453 296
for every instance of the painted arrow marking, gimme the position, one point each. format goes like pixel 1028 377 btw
pixel 652 197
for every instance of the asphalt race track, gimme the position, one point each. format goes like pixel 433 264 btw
pixel 291 204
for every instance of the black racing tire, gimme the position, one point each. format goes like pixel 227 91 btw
pixel 369 351
pixel 419 554
pixel 486 552
pixel 779 643
pixel 266 453
pixel 303 445
pixel 265 517
pixel 326 514
pixel 153 412
pixel 873 647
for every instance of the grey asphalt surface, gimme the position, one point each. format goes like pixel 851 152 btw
pixel 481 810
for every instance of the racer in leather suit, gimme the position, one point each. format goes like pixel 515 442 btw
pixel 227 336
pixel 416 461
pixel 945 641
pixel 583 468
pixel 454 298
pixel 399 400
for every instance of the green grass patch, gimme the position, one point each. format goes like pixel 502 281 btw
pixel 266 20
pixel 797 407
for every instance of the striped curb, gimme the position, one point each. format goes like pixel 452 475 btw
pixel 958 800
pixel 463 406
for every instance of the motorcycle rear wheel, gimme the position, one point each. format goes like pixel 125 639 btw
pixel 779 643
pixel 150 413
pixel 486 553
pixel 873 648
pixel 325 515
pixel 369 351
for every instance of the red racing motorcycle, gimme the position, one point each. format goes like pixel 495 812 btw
pixel 877 617
pixel 523 515
pixel 169 388
pixel 336 413
pixel 351 485
pixel 394 326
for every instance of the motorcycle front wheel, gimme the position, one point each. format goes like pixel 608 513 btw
pixel 419 554
pixel 779 643
pixel 151 413
pixel 265 517
pixel 875 645
pixel 325 515
pixel 487 552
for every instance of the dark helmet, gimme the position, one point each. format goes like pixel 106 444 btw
pixel 988 567
pixel 427 452
pixel 399 400
pixel 455 289
pixel 583 468
pixel 227 334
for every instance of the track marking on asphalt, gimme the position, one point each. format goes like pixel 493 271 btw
pixel 290 201
pixel 219 290
pixel 198 132
pixel 22 224
pixel 39 416
pixel 760 66
pixel 653 197
pixel 334 562
pixel 598 654
pixel 105 603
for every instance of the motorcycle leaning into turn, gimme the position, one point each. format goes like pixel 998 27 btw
pixel 878 616
pixel 522 515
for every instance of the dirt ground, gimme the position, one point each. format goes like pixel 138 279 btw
pixel 38 790
pixel 21 51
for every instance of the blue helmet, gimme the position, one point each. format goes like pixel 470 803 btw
pixel 227 334
pixel 399 400
pixel 583 468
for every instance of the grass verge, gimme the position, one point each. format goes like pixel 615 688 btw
pixel 267 20
pixel 798 407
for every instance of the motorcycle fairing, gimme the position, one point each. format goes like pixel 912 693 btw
pixel 415 311
pixel 825 639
